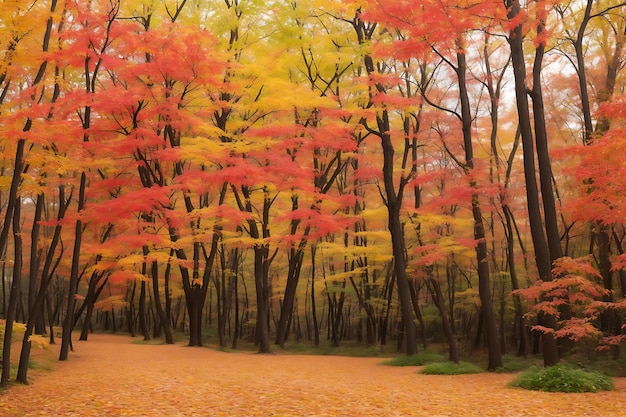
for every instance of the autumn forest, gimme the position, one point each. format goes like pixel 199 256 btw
pixel 380 173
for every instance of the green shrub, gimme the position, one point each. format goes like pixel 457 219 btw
pixel 418 359
pixel 451 368
pixel 563 378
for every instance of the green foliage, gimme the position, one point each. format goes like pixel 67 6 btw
pixel 450 368
pixel 563 378
pixel 418 359
pixel 514 364
pixel 44 366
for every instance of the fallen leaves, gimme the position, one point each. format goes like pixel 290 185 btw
pixel 109 375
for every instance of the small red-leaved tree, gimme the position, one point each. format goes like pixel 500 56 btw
pixel 577 284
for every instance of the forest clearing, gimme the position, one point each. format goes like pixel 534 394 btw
pixel 115 376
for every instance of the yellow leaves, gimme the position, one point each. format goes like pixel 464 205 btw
pixel 203 150
pixel 108 303
pixel 5 182
pixel 39 341
pixel 17 329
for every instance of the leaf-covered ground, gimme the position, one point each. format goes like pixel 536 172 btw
pixel 112 376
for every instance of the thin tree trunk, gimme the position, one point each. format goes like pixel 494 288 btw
pixel 316 329
pixel 14 294
pixel 164 320
pixel 143 323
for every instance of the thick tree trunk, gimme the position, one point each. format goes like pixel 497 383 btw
pixel 542 253
pixel 543 157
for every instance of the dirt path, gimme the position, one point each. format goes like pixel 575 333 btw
pixel 111 376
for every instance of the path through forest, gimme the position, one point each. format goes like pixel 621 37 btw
pixel 112 376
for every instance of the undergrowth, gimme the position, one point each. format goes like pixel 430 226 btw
pixel 563 378
pixel 451 368
pixel 512 364
pixel 419 359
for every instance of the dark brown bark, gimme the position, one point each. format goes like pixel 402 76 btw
pixel 262 297
pixel 143 323
pixel 418 312
pixel 163 319
pixel 68 323
pixel 36 311
pixel 316 330
pixel 296 257
pixel 14 294
pixel 130 309
pixel 484 285
pixel 543 156
pixel 520 321
pixel 393 196
pixel 542 253
pixel 262 261
pixel 435 291
pixel 35 257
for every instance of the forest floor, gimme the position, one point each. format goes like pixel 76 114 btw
pixel 115 376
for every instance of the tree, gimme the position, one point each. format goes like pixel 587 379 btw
pixel 543 256
pixel 13 211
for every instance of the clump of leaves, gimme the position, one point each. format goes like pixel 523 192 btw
pixel 419 359
pixel 563 378
pixel 451 368
pixel 39 341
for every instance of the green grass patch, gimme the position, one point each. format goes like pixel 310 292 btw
pixel 511 364
pixel 451 368
pixel 419 359
pixel 39 365
pixel 563 378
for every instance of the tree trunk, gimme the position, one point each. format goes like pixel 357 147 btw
pixel 418 313
pixel 520 322
pixel 542 253
pixel 316 329
pixel 435 292
pixel 14 294
pixel 164 320
pixel 394 201
pixel 35 257
pixel 293 276
pixel 262 298
pixel 143 324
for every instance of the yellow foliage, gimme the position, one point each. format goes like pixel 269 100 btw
pixel 39 341
pixel 18 328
